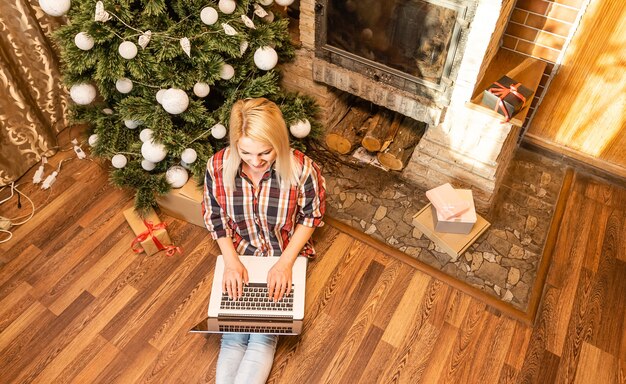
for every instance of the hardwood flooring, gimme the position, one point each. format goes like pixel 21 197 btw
pixel 78 306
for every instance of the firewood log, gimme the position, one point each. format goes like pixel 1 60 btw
pixel 396 156
pixel 381 132
pixel 344 136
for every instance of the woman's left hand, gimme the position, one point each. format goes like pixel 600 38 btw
pixel 279 280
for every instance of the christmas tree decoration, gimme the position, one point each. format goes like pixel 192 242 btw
pixel 55 7
pixel 127 50
pixel 145 135
pixel 101 15
pixel 268 18
pixel 284 3
pixel 159 95
pixel 154 152
pixel 185 44
pixel 107 111
pixel 83 94
pixel 147 165
pixel 300 129
pixel 247 21
pixel 227 6
pixel 185 165
pixel 218 131
pixel 83 41
pixel 175 101
pixel 177 176
pixel 266 2
pixel 201 89
pixel 119 161
pixel 230 31
pixel 227 72
pixel 132 124
pixel 93 139
pixel 243 46
pixel 144 39
pixel 259 11
pixel 208 15
pixel 265 58
pixel 189 155
pixel 124 85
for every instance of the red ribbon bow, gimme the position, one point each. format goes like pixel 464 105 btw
pixel 170 250
pixel 501 91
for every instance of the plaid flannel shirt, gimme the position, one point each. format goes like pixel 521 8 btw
pixel 261 222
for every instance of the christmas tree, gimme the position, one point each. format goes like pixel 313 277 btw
pixel 156 80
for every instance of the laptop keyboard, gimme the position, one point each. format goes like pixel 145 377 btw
pixel 255 297
pixel 255 329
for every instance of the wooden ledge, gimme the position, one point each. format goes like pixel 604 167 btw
pixel 524 69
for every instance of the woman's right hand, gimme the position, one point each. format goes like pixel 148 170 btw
pixel 235 276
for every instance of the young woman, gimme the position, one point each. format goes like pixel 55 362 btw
pixel 261 198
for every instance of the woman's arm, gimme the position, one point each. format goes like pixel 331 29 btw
pixel 279 277
pixel 235 274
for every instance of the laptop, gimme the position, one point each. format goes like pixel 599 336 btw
pixel 255 312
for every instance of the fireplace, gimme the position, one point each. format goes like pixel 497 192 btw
pixel 410 45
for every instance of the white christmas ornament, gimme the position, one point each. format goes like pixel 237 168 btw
pixel 227 72
pixel 152 151
pixel 246 20
pixel 185 165
pixel 284 3
pixel 55 7
pixel 230 31
pixel 148 165
pixel 83 93
pixel 159 95
pixel 101 14
pixel 127 50
pixel 177 176
pixel 259 11
pixel 218 131
pixel 265 58
pixel 208 15
pixel 132 124
pixel 269 17
pixel 300 129
pixel 243 47
pixel 145 135
pixel 185 44
pixel 83 41
pixel 201 89
pixel 93 139
pixel 107 111
pixel 119 161
pixel 189 155
pixel 227 6
pixel 175 101
pixel 144 39
pixel 266 2
pixel 124 85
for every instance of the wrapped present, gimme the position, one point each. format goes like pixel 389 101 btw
pixel 506 96
pixel 151 235
pixel 462 223
pixel 447 201
pixel 184 203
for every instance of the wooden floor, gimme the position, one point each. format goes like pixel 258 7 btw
pixel 77 306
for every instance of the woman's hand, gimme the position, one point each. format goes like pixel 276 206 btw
pixel 235 276
pixel 279 279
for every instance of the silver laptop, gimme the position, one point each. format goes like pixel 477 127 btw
pixel 255 312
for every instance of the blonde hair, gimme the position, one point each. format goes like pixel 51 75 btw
pixel 261 120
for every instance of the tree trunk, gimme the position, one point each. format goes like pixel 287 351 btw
pixel 343 137
pixel 396 156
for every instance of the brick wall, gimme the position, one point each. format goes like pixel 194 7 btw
pixel 540 29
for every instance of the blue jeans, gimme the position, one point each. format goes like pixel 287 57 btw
pixel 245 358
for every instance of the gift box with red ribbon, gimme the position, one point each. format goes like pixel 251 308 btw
pixel 151 233
pixel 507 97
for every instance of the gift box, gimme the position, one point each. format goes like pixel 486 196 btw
pixel 184 203
pixel 507 97
pixel 151 235
pixel 447 201
pixel 461 223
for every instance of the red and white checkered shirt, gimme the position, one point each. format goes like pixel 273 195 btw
pixel 262 221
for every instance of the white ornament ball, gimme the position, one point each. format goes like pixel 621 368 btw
pixel 93 139
pixel 127 50
pixel 227 72
pixel 177 176
pixel 119 161
pixel 148 165
pixel 132 124
pixel 83 93
pixel 124 85
pixel 227 6
pixel 189 155
pixel 208 15
pixel 265 58
pixel 185 165
pixel 152 151
pixel 55 7
pixel 284 3
pixel 83 41
pixel 201 89
pixel 269 17
pixel 159 95
pixel 300 129
pixel 218 131
pixel 175 101
pixel 266 2
pixel 107 111
pixel 145 135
